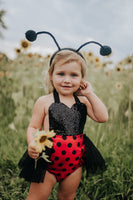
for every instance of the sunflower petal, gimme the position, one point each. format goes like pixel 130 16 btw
pixel 43 148
pixel 49 143
pixel 50 134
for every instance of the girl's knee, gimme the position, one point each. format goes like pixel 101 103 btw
pixel 37 196
pixel 65 196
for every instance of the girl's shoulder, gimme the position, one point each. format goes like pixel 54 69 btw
pixel 42 104
pixel 44 99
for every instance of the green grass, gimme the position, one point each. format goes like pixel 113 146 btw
pixel 114 139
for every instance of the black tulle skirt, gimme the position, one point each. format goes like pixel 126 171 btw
pixel 33 172
pixel 93 161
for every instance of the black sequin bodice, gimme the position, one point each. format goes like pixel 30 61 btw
pixel 64 120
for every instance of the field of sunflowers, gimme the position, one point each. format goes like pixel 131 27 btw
pixel 22 82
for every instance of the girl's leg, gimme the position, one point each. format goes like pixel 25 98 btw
pixel 68 187
pixel 41 191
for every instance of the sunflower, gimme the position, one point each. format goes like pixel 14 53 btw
pixel 48 56
pixel 128 60
pixel 18 51
pixel 25 44
pixel 107 74
pixel 90 54
pixel 97 60
pixel 118 68
pixel 30 55
pixel 42 140
pixel 118 85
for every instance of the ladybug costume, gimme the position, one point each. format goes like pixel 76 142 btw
pixel 68 148
pixel 71 148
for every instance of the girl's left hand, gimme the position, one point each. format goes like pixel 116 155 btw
pixel 85 88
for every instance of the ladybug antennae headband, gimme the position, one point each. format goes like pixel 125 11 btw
pixel 32 36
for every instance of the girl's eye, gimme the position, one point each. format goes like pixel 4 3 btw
pixel 73 74
pixel 61 74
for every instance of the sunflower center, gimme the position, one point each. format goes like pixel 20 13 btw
pixel 42 139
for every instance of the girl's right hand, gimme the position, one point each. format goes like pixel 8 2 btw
pixel 32 150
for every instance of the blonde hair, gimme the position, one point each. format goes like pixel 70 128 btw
pixel 65 56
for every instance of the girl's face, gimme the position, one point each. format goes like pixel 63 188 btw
pixel 67 77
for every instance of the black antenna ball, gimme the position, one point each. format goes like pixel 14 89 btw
pixel 105 50
pixel 31 35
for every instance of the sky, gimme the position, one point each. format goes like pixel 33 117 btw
pixel 72 22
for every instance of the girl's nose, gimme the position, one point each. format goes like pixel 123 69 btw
pixel 67 79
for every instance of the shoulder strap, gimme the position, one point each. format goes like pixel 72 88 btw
pixel 76 99
pixel 56 96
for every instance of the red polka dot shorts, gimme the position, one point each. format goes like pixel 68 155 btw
pixel 67 155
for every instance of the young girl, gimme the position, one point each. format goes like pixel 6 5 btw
pixel 64 110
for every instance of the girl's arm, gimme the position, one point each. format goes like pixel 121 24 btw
pixel 35 123
pixel 95 107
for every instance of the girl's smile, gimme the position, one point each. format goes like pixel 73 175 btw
pixel 67 77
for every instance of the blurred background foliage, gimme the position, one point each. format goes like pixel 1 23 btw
pixel 22 82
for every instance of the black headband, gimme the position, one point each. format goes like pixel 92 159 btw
pixel 32 36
